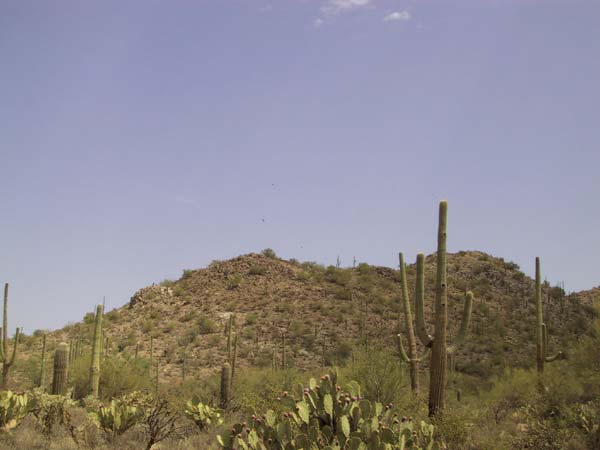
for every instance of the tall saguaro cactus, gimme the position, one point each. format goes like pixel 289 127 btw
pixel 438 342
pixel 7 361
pixel 225 385
pixel 61 369
pixel 43 364
pixel 411 358
pixel 96 353
pixel 541 331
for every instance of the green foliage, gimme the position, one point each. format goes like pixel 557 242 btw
pixel 89 318
pixel 187 273
pixel 13 409
pixel 203 415
pixel 257 270
pixel 121 414
pixel 269 253
pixel 325 416
pixel 51 410
pixel 380 374
pixel 207 326
pixel 118 376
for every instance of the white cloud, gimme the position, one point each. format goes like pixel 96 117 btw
pixel 340 6
pixel 318 22
pixel 397 16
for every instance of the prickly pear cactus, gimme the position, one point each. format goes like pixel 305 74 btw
pixel 325 416
pixel 13 409
pixel 203 415
pixel 120 414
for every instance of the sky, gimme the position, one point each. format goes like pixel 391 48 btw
pixel 141 138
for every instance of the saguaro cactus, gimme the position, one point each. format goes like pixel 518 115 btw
pixel 229 330
pixel 96 352
pixel 225 385
pixel 61 369
pixel 234 357
pixel 43 364
pixel 438 344
pixel 541 331
pixel 412 358
pixel 283 360
pixel 7 361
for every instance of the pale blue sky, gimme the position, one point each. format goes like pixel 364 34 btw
pixel 140 138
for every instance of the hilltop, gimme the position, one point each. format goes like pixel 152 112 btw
pixel 326 312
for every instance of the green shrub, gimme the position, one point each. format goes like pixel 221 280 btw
pixel 269 253
pixel 206 325
pixel 257 270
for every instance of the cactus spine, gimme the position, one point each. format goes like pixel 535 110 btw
pixel 541 332
pixel 225 385
pixel 43 365
pixel 96 352
pixel 438 344
pixel 61 369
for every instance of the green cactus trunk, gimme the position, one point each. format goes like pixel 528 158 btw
pixel 7 361
pixel 541 330
pixel 438 344
pixel 151 354
pixel 96 352
pixel 283 361
pixel 225 385
pixel 43 365
pixel 229 331
pixel 61 369
pixel 437 380
pixel 234 357
pixel 540 321
pixel 412 356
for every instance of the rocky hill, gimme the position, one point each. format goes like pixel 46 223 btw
pixel 326 313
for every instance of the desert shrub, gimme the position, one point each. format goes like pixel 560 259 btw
pixel 169 326
pixel 269 253
pixel 187 273
pixel 513 390
pixel 51 410
pixel 118 376
pixel 303 276
pixel 113 316
pixel 257 389
pixel 380 374
pixel 233 281
pixel 207 325
pixel 338 276
pixel 251 318
pixel 257 270
pixel 89 318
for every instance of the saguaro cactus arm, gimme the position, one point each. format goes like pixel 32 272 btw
pixel 401 350
pixel 542 333
pixel 425 338
pixel 14 352
pixel 547 358
pixel 464 325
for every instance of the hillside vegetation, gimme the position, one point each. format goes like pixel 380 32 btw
pixel 326 312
